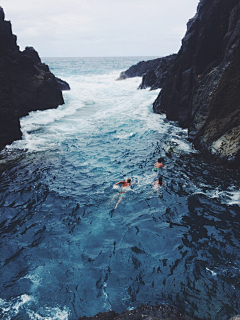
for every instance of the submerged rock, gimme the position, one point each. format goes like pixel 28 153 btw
pixel 26 84
pixel 146 312
pixel 200 89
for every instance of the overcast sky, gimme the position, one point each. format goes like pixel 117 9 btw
pixel 91 28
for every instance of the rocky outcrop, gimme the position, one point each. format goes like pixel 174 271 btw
pixel 202 91
pixel 143 312
pixel 62 85
pixel 153 72
pixel 201 87
pixel 139 69
pixel 26 84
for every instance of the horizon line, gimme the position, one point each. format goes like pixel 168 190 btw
pixel 102 56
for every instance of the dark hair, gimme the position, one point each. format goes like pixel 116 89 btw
pixel 160 180
pixel 128 180
pixel 160 159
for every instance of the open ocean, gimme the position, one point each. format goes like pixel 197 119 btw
pixel 64 251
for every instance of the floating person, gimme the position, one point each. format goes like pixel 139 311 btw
pixel 125 183
pixel 125 186
pixel 159 165
pixel 159 182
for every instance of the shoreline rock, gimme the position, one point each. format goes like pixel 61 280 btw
pixel 201 86
pixel 153 72
pixel 146 312
pixel 26 84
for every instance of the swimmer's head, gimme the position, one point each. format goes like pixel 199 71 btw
pixel 160 179
pixel 160 159
pixel 128 180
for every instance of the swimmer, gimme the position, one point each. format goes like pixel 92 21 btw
pixel 126 183
pixel 125 187
pixel 159 165
pixel 158 182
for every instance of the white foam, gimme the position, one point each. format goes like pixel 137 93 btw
pixel 215 193
pixel 106 303
pixel 23 300
pixel 50 314
pixel 214 274
pixel 11 309
pixel 122 189
pixel 124 136
pixel 228 197
pixel 234 198
pixel 93 102
pixel 43 117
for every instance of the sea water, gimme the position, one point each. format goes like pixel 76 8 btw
pixel 65 252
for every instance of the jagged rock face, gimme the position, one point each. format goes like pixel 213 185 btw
pixel 143 312
pixel 154 72
pixel 26 84
pixel 201 89
pixel 139 69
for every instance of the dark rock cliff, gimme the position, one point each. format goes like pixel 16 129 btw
pixel 26 84
pixel 154 72
pixel 201 88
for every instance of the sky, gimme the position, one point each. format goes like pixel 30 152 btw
pixel 100 28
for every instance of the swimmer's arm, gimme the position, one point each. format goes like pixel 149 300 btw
pixel 118 183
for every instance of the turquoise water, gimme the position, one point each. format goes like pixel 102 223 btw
pixel 66 252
